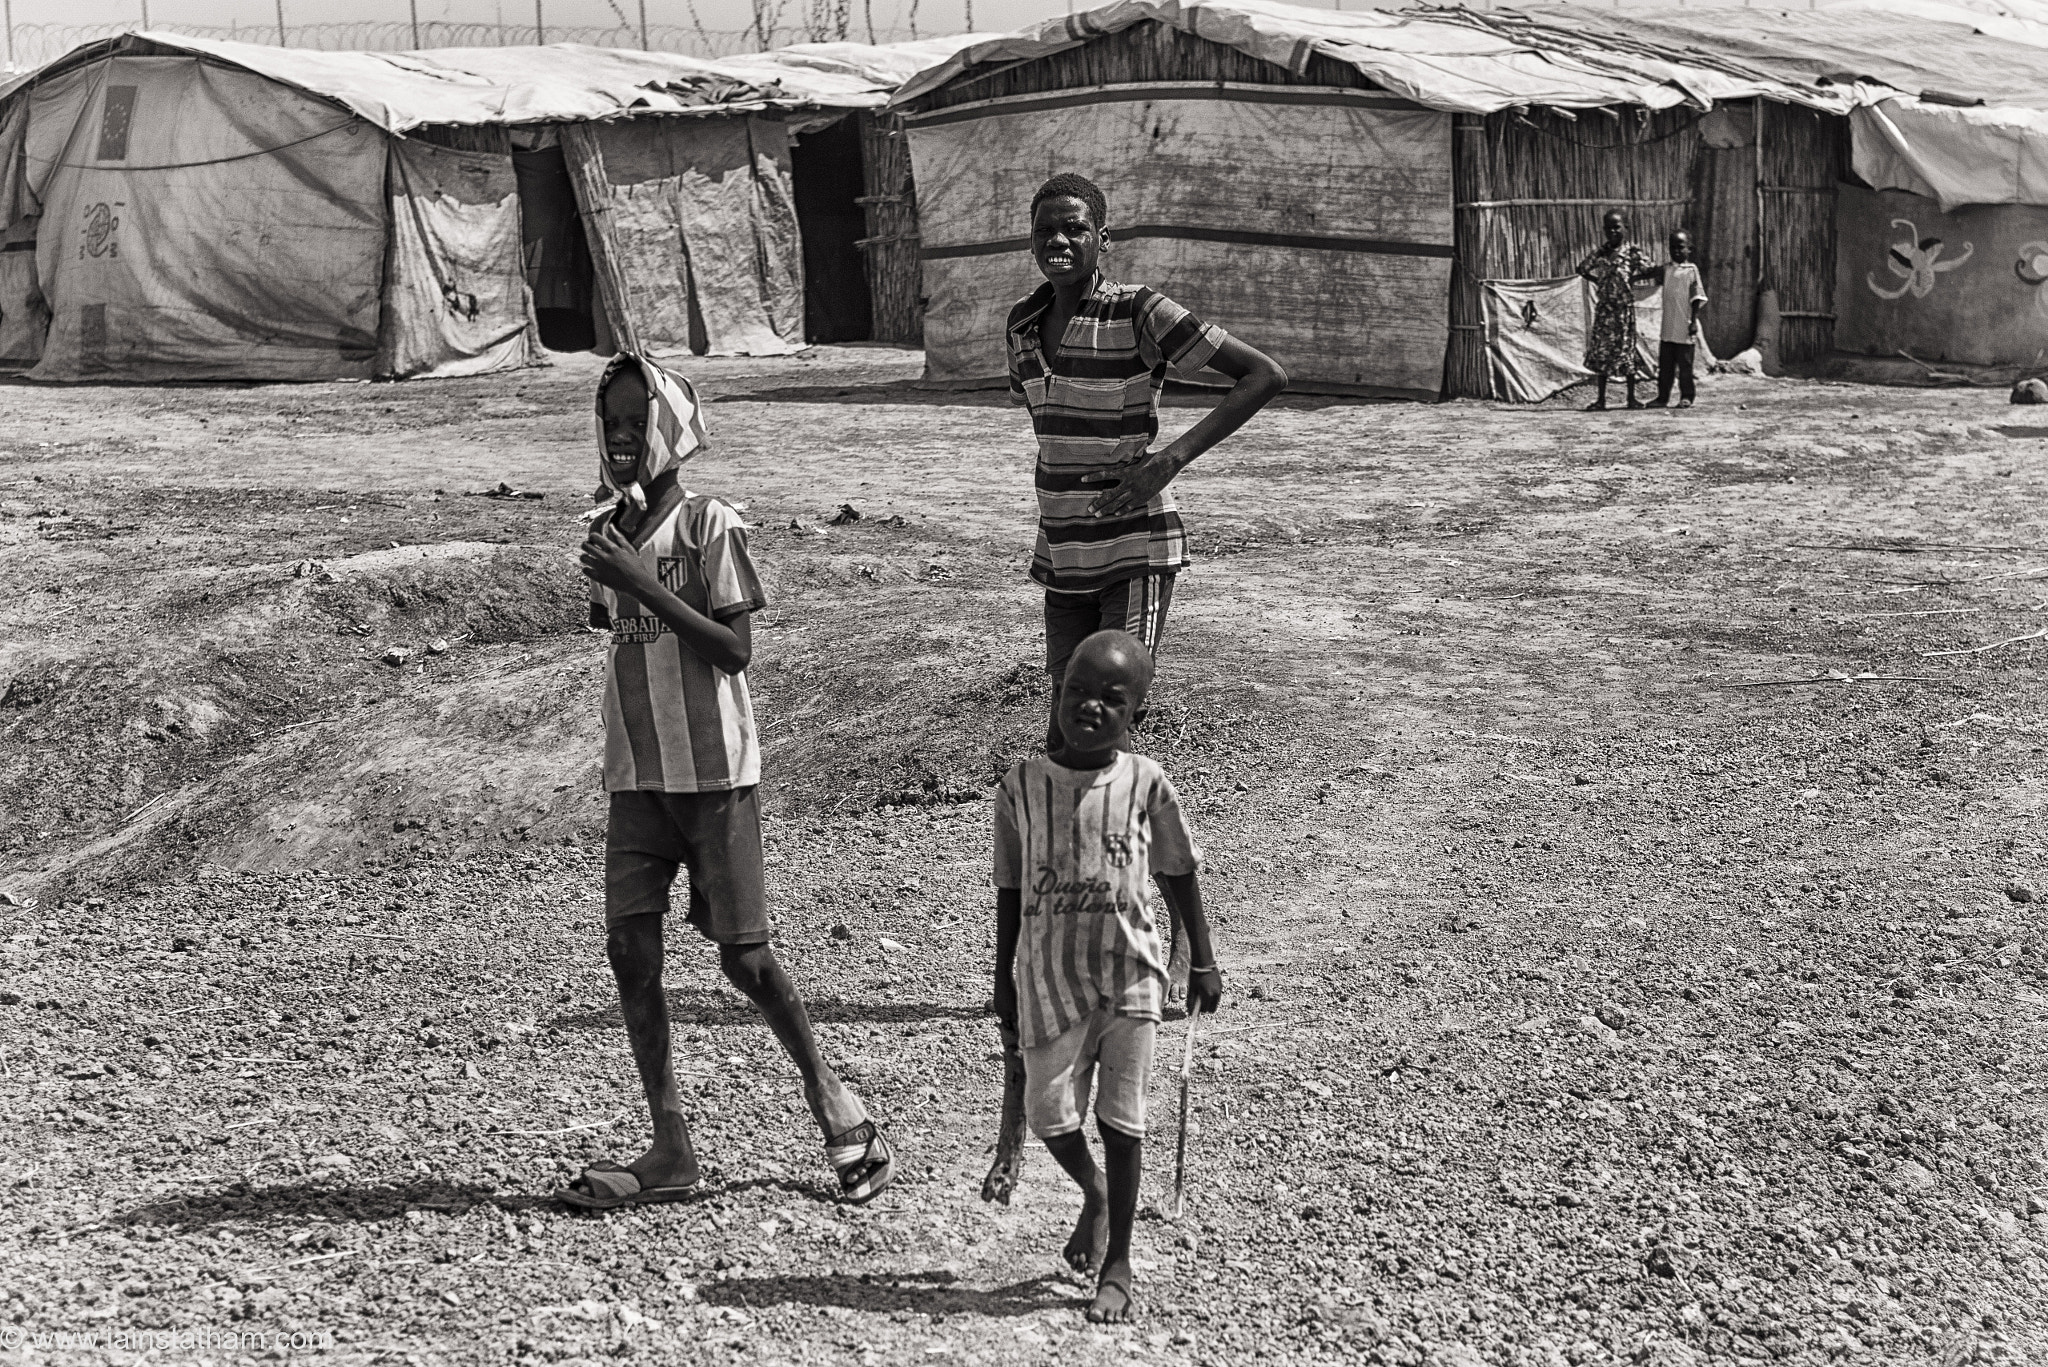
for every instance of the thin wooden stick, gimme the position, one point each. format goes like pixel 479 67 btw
pixel 1180 1151
pixel 1979 650
pixel 1859 678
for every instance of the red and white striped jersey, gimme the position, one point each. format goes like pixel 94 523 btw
pixel 674 723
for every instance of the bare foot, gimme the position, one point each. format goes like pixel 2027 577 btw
pixel 1089 1244
pixel 1114 1303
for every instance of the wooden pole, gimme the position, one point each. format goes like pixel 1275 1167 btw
pixel 10 32
pixel 643 27
pixel 540 24
pixel 414 7
pixel 280 24
pixel 145 13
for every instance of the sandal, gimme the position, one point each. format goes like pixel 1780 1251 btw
pixel 862 1158
pixel 607 1186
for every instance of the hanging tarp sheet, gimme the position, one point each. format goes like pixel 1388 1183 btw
pixel 454 288
pixel 1314 221
pixel 203 223
pixel 703 223
pixel 1968 286
pixel 1953 156
pixel 1536 335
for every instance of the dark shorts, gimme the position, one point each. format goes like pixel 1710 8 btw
pixel 716 836
pixel 1137 605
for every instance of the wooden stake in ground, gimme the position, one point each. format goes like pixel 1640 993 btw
pixel 1180 1148
pixel 1009 1165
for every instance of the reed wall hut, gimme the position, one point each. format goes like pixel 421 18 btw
pixel 1255 170
pixel 181 208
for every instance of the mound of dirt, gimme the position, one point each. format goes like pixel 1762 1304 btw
pixel 261 719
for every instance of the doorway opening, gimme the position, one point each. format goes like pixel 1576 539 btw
pixel 826 167
pixel 558 266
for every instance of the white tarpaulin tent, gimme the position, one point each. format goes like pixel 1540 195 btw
pixel 1954 156
pixel 198 209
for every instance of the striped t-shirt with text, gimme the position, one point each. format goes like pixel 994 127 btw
pixel 1095 402
pixel 1081 846
pixel 674 723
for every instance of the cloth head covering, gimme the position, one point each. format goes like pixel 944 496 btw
pixel 675 427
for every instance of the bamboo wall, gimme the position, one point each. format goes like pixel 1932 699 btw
pixel 1805 156
pixel 1532 189
pixel 889 251
pixel 1150 51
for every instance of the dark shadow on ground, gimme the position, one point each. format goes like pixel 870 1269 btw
pixel 303 1200
pixel 298 1202
pixel 709 1006
pixel 918 393
pixel 924 1293
pixel 904 392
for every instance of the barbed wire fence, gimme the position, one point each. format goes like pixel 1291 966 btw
pixel 775 24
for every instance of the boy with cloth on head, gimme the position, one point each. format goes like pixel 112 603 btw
pixel 672 580
pixel 1080 973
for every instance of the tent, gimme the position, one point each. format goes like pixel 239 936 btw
pixel 1343 187
pixel 183 208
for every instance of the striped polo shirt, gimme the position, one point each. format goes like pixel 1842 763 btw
pixel 1082 846
pixel 674 723
pixel 1095 402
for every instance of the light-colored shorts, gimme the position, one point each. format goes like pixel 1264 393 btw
pixel 1059 1074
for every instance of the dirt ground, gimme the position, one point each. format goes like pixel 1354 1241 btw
pixel 1625 834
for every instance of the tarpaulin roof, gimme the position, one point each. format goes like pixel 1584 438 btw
pixel 1573 56
pixel 561 81
pixel 1842 47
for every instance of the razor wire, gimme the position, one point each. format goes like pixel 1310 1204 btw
pixel 774 25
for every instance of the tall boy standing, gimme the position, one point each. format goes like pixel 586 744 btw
pixel 1089 357
pixel 1080 972
pixel 672 580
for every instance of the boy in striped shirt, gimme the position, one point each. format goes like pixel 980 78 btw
pixel 1080 970
pixel 672 580
pixel 1089 357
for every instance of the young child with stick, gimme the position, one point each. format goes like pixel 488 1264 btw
pixel 1080 973
pixel 672 580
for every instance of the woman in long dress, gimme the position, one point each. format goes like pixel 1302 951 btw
pixel 1611 341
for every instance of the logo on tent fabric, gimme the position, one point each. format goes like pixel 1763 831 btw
pixel 1915 261
pixel 101 223
pixel 2032 267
